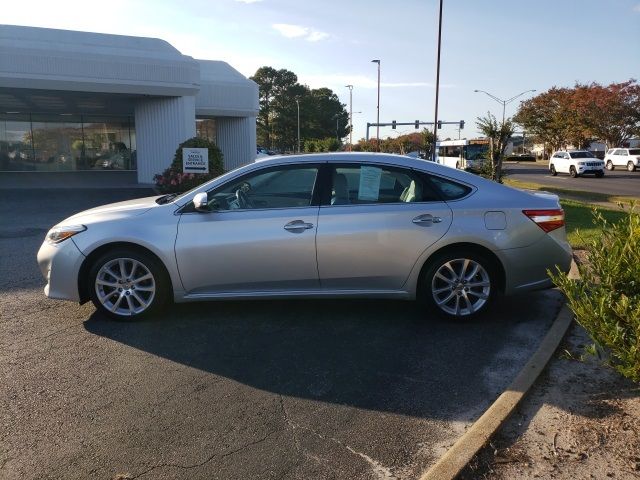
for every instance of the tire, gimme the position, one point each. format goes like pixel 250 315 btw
pixel 600 174
pixel 610 165
pixel 631 167
pixel 139 292
pixel 459 285
pixel 573 172
pixel 552 168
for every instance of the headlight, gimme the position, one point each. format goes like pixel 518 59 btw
pixel 59 234
pixel 581 163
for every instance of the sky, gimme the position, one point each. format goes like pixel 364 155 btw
pixel 502 46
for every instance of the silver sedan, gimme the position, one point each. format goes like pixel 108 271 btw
pixel 328 225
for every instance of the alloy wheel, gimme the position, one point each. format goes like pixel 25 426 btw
pixel 461 287
pixel 125 286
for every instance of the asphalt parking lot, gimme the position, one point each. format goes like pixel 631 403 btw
pixel 268 389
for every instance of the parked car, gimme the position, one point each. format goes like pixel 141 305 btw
pixel 576 163
pixel 320 225
pixel 623 157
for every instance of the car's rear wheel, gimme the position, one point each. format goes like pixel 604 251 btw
pixel 127 284
pixel 572 171
pixel 459 285
pixel 610 165
pixel 631 167
pixel 552 168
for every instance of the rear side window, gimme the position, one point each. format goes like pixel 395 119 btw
pixel 634 151
pixel 365 184
pixel 450 190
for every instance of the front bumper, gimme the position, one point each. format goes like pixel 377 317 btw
pixel 60 264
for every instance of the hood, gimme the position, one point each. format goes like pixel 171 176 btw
pixel 111 211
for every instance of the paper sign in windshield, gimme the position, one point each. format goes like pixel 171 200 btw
pixel 369 183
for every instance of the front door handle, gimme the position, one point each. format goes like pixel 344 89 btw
pixel 426 219
pixel 297 226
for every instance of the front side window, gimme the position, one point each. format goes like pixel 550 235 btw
pixel 365 184
pixel 278 187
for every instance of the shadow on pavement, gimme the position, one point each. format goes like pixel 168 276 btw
pixel 377 355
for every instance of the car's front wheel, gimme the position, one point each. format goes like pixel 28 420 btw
pixel 573 172
pixel 553 170
pixel 460 286
pixel 126 284
pixel 631 166
pixel 610 165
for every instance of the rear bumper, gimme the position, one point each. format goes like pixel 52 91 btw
pixel 60 265
pixel 527 267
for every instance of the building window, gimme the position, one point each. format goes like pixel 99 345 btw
pixel 206 128
pixel 54 143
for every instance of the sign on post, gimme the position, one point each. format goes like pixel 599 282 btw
pixel 195 160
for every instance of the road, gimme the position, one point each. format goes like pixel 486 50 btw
pixel 269 389
pixel 618 182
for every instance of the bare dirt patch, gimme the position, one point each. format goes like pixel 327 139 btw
pixel 580 420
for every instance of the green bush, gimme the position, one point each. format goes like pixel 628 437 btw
pixel 173 179
pixel 606 300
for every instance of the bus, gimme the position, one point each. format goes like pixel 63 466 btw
pixel 463 154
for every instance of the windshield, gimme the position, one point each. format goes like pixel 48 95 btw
pixel 476 151
pixel 581 155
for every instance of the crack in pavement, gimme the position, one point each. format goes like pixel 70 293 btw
pixel 204 462
pixel 381 472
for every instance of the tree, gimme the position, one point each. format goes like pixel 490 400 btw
pixel 499 135
pixel 277 121
pixel 575 116
pixel 546 116
pixel 611 113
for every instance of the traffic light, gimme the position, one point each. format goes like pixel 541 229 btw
pixel 461 124
pixel 439 124
pixel 393 124
pixel 417 124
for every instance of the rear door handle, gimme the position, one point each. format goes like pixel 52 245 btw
pixel 297 226
pixel 426 219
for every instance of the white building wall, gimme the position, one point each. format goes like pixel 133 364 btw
pixel 161 125
pixel 236 137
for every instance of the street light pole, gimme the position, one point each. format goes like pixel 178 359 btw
pixel 350 87
pixel 504 102
pixel 435 121
pixel 378 116
pixel 298 103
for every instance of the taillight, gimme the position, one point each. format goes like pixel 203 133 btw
pixel 547 220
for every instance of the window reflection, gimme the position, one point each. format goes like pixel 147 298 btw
pixel 34 142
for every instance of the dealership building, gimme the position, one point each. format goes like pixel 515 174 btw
pixel 94 107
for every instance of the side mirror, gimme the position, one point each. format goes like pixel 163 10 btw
pixel 200 202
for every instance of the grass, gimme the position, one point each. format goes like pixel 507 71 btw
pixel 579 195
pixel 579 221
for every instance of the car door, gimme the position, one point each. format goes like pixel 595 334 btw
pixel 620 156
pixel 258 236
pixel 375 224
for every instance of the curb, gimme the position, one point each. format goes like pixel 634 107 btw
pixel 451 464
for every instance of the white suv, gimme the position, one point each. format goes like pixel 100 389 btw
pixel 623 157
pixel 575 163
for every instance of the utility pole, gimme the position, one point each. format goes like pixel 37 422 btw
pixel 350 87
pixel 378 116
pixel 435 121
pixel 298 103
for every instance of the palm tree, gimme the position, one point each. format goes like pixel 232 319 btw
pixel 498 135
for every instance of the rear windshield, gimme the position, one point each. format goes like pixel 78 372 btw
pixel 634 151
pixel 581 155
